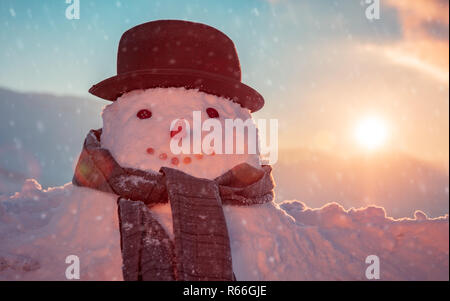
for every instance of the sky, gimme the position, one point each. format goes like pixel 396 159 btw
pixel 323 67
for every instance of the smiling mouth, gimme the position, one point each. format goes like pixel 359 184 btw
pixel 176 160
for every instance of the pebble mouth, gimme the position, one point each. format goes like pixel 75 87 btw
pixel 175 160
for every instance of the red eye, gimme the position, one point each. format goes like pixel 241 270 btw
pixel 144 114
pixel 212 113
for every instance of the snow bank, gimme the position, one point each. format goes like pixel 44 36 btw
pixel 294 242
pixel 40 228
pixel 409 249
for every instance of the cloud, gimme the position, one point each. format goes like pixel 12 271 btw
pixel 424 44
pixel 430 58
pixel 422 18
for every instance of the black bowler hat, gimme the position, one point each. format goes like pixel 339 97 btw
pixel 173 53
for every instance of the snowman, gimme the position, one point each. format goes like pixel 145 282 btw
pixel 138 210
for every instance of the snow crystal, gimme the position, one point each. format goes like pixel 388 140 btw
pixel 151 241
pixel 127 226
pixel 130 181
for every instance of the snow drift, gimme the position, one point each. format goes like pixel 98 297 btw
pixel 408 248
pixel 40 228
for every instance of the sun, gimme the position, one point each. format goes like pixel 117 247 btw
pixel 371 133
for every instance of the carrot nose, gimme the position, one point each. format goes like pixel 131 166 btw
pixel 179 129
pixel 174 132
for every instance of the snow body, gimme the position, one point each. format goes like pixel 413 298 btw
pixel 40 228
pixel 127 137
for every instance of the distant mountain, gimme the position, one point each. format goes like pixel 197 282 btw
pixel 395 181
pixel 41 137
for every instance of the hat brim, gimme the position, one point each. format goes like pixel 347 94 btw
pixel 236 91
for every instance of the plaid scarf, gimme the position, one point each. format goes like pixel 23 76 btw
pixel 201 247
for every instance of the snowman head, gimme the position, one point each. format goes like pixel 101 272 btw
pixel 153 58
pixel 138 129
